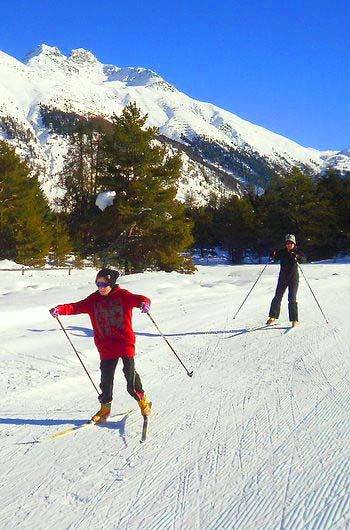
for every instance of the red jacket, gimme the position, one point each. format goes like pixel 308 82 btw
pixel 111 320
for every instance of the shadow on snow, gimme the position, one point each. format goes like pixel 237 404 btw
pixel 235 332
pixel 52 422
pixel 82 332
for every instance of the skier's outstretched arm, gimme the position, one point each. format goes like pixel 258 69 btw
pixel 140 301
pixel 73 308
pixel 299 256
pixel 275 255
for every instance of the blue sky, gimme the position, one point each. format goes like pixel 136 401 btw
pixel 284 65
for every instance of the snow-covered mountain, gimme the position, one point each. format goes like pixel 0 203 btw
pixel 220 150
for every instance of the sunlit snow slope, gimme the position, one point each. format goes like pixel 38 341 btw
pixel 257 439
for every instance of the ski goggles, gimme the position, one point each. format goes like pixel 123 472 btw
pixel 102 284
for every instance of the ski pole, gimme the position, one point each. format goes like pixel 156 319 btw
pixel 190 374
pixel 77 354
pixel 313 294
pixel 256 281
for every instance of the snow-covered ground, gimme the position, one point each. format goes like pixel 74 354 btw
pixel 257 439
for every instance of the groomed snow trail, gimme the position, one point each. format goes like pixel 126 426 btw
pixel 257 439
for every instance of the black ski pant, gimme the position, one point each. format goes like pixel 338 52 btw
pixel 282 284
pixel 133 381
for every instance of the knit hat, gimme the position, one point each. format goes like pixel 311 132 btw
pixel 110 275
pixel 290 237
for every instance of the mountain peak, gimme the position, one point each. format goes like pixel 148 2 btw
pixel 51 60
pixel 43 50
pixel 81 56
pixel 136 76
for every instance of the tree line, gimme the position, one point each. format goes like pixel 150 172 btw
pixel 317 211
pixel 145 227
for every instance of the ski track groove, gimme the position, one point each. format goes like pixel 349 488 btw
pixel 220 522
pixel 238 452
pixel 13 499
pixel 135 445
pixel 211 458
pixel 286 490
pixel 324 376
pixel 271 454
pixel 302 421
pixel 135 451
pixel 244 429
pixel 318 514
pixel 253 419
pixel 156 470
pixel 182 489
pixel 243 407
pixel 213 453
pixel 310 437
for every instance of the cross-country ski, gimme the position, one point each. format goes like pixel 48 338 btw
pixel 72 430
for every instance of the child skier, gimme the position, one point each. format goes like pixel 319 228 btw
pixel 110 311
pixel 288 277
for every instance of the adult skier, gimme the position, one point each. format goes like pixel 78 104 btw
pixel 110 311
pixel 288 277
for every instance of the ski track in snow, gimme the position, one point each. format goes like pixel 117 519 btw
pixel 257 439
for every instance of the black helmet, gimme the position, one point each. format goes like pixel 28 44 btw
pixel 110 275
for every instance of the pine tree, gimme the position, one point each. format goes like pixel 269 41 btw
pixel 335 189
pixel 61 245
pixel 203 226
pixel 146 225
pixel 234 225
pixel 25 231
pixel 79 181
pixel 291 204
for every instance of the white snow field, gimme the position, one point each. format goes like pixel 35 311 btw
pixel 257 439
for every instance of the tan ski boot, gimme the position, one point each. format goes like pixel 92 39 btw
pixel 103 413
pixel 295 323
pixel 270 321
pixel 145 406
